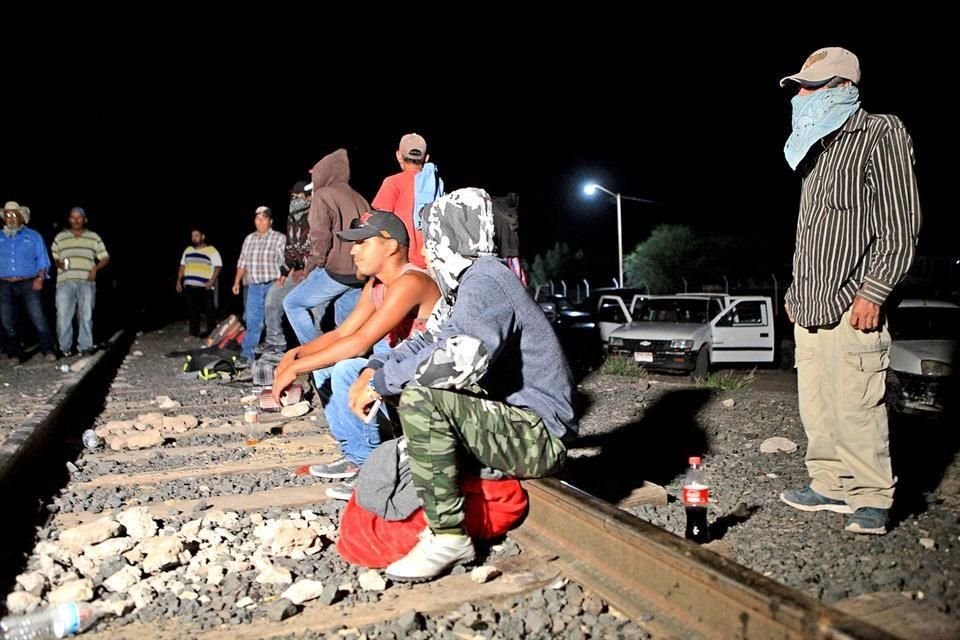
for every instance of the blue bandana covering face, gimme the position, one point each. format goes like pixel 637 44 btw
pixel 816 115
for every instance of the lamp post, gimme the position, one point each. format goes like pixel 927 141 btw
pixel 592 187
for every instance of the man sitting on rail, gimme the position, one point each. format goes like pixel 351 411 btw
pixel 486 385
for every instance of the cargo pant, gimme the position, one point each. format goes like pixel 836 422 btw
pixel 446 429
pixel 841 383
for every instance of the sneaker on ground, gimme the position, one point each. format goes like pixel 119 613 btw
pixel 340 491
pixel 341 469
pixel 870 520
pixel 433 555
pixel 807 499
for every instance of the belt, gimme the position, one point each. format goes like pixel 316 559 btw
pixel 825 327
pixel 19 278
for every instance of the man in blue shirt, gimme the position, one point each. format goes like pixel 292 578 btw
pixel 23 267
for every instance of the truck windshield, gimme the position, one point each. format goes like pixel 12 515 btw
pixel 672 310
pixel 925 323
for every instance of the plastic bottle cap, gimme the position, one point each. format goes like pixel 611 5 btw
pixel 694 460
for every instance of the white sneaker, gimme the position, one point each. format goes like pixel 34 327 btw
pixel 433 555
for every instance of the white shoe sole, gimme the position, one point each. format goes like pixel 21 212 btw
pixel 344 475
pixel 446 570
pixel 855 528
pixel 836 508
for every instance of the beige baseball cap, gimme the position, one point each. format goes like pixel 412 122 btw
pixel 413 146
pixel 824 64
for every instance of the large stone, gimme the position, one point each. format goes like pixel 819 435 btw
pixel 289 540
pixel 372 581
pixel 76 538
pixel 114 427
pixel 153 419
pixel 160 553
pixel 281 610
pixel 109 549
pixel 303 591
pixel 86 566
pixel 483 574
pixel 229 520
pixel 173 425
pixel 122 580
pixel 778 444
pixel 73 591
pixel 115 608
pixel 143 439
pixel 33 582
pixel 295 410
pixel 275 575
pixel 166 403
pixel 191 530
pixel 142 594
pixel 138 522
pixel 21 602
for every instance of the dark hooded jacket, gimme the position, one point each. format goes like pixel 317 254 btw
pixel 335 205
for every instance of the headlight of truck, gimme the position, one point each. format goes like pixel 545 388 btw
pixel 935 368
pixel 681 344
pixel 616 342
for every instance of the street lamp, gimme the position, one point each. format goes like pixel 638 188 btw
pixel 592 187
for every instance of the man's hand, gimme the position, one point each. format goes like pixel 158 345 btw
pixel 864 315
pixel 179 287
pixel 281 280
pixel 236 288
pixel 789 310
pixel 92 276
pixel 361 395
pixel 282 380
pixel 37 283
pixel 297 276
pixel 287 360
pixel 209 284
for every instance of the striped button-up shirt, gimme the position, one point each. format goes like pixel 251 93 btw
pixel 262 256
pixel 859 219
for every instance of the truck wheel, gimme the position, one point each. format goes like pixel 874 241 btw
pixel 702 368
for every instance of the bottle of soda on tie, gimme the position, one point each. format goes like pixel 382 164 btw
pixel 696 497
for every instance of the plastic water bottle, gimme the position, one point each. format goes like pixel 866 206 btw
pixel 696 497
pixel 57 621
pixel 91 440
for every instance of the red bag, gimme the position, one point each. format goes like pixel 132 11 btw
pixel 229 330
pixel 492 507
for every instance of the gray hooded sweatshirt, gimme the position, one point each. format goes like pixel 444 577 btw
pixel 492 335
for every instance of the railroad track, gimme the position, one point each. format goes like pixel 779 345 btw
pixel 664 585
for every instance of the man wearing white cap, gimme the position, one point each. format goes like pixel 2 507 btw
pixel 856 238
pixel 24 265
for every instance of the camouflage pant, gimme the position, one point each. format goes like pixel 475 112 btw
pixel 442 427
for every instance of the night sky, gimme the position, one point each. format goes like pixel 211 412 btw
pixel 156 134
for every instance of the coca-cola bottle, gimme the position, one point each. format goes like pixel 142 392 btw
pixel 696 497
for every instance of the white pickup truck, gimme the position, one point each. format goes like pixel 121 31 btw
pixel 692 331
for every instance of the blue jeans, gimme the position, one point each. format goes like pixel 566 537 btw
pixel 274 313
pixel 357 438
pixel 75 298
pixel 10 292
pixel 254 304
pixel 316 291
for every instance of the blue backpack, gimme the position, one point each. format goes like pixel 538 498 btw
pixel 427 187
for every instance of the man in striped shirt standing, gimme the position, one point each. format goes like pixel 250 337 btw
pixel 80 254
pixel 200 266
pixel 856 238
